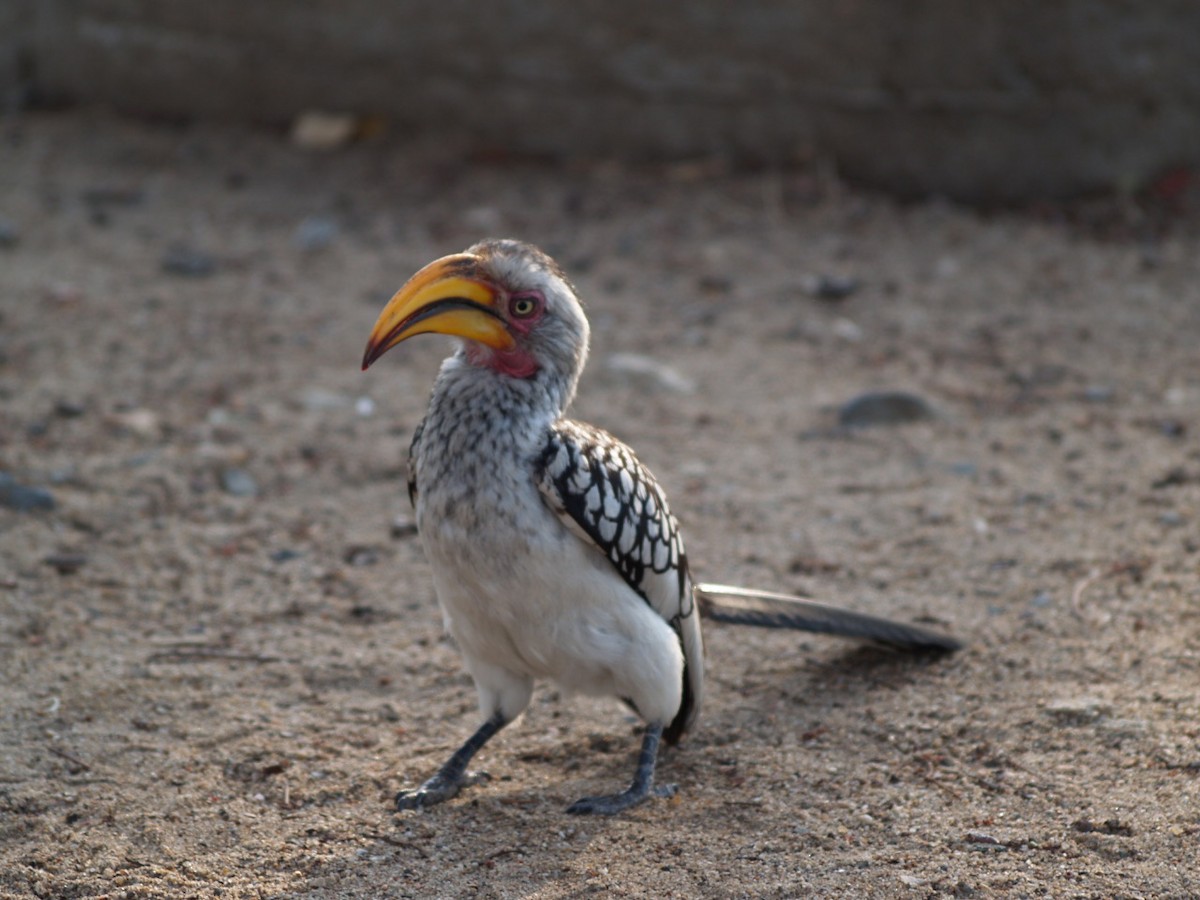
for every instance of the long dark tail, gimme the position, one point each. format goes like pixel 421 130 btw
pixel 766 609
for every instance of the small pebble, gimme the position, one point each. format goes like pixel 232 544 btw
pixel 884 408
pixel 319 399
pixel 982 837
pixel 10 235
pixel 138 421
pixel 239 482
pixel 315 233
pixel 1077 710
pixel 1172 428
pixel 1099 393
pixel 403 527
pixel 66 563
pixel 63 293
pixel 484 219
pixel 847 330
pixel 319 130
pixel 361 555
pixel 188 262
pixel 648 372
pixel 69 409
pixel 284 555
pixel 1174 477
pixel 1108 826
pixel 830 287
pixel 715 284
pixel 1123 729
pixel 22 498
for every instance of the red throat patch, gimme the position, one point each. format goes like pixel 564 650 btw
pixel 515 363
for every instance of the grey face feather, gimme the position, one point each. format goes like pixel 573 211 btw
pixel 559 341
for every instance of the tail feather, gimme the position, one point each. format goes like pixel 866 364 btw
pixel 766 609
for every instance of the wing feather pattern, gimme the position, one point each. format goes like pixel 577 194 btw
pixel 603 493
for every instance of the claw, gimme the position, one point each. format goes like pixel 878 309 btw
pixel 611 804
pixel 438 789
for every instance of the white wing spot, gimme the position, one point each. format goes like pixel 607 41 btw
pixel 562 459
pixel 608 528
pixel 626 481
pixel 662 553
pixel 581 480
pixel 628 536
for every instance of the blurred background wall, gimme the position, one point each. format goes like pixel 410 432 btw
pixel 980 101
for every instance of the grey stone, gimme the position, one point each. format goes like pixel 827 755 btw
pixel 66 563
pixel 315 233
pixel 188 262
pixel 1077 710
pixel 238 482
pixel 830 287
pixel 648 373
pixel 10 234
pixel 21 498
pixel 877 408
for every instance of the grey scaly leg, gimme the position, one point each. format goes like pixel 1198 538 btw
pixel 452 776
pixel 641 789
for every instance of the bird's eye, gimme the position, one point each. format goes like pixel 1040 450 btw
pixel 522 306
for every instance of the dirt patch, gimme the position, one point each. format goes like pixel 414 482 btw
pixel 220 651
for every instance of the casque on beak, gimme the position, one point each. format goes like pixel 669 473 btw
pixel 450 296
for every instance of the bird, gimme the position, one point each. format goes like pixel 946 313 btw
pixel 554 553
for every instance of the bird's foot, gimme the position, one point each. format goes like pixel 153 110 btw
pixel 614 803
pixel 437 789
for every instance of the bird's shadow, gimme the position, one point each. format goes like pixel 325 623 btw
pixel 815 687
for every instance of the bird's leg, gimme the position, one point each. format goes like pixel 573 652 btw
pixel 641 789
pixel 453 775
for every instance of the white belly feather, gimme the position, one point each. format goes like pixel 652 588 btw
pixel 553 607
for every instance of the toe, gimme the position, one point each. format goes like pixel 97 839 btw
pixel 435 790
pixel 605 806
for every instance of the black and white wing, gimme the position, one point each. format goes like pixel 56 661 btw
pixel 603 494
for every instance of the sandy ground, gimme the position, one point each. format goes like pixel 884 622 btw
pixel 220 654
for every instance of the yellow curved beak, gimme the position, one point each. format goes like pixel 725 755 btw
pixel 448 296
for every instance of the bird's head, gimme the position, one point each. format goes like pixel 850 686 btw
pixel 509 303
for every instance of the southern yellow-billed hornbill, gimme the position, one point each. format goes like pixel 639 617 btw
pixel 554 554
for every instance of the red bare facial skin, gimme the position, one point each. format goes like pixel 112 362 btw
pixel 517 362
